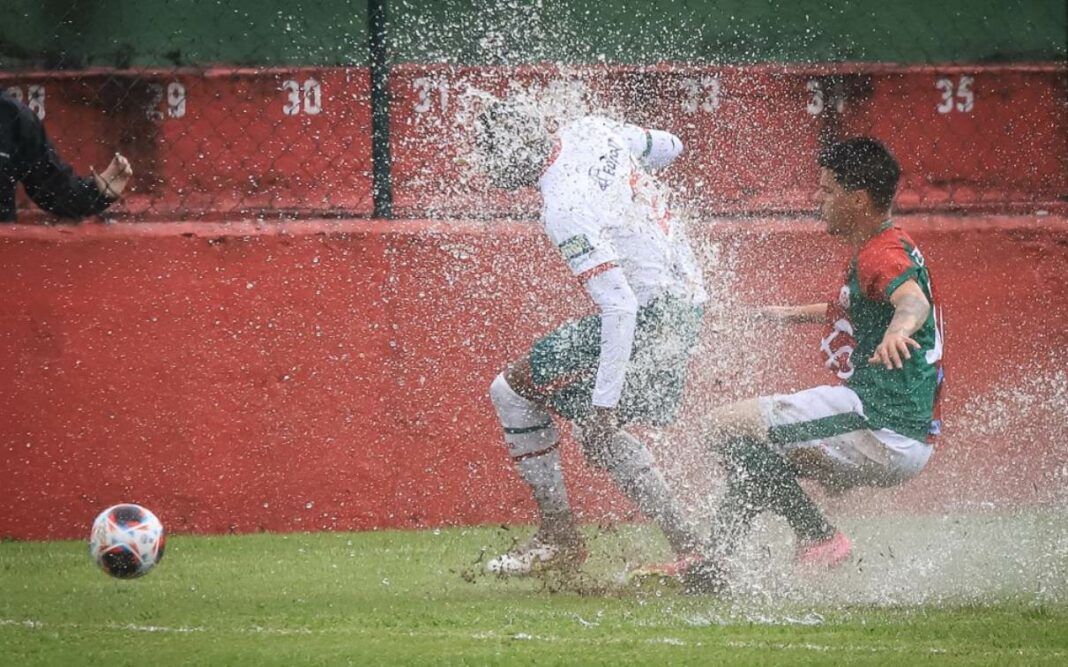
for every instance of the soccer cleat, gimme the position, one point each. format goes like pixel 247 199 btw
pixel 673 569
pixel 691 573
pixel 826 554
pixel 539 554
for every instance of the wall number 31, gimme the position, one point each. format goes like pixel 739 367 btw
pixel 959 97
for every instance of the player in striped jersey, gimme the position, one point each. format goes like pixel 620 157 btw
pixel 610 220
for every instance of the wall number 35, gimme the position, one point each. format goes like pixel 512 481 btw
pixel 959 97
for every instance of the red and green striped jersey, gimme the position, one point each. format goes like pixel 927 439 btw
pixel 903 400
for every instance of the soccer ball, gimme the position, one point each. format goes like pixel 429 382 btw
pixel 127 541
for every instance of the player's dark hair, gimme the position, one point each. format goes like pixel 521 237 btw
pixel 865 164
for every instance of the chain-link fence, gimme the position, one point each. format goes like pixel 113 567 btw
pixel 263 109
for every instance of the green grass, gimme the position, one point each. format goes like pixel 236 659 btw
pixel 973 590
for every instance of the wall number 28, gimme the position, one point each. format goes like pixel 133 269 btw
pixel 956 97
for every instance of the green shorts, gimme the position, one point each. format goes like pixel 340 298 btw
pixel 564 363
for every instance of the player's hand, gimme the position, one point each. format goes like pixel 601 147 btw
pixel 600 427
pixel 112 181
pixel 893 350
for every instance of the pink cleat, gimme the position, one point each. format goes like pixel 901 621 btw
pixel 827 554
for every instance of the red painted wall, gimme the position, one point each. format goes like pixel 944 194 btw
pixel 332 375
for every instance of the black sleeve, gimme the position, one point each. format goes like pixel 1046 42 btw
pixel 49 181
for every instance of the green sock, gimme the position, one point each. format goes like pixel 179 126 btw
pixel 737 509
pixel 762 479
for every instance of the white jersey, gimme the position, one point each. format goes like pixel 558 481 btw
pixel 602 209
pixel 612 223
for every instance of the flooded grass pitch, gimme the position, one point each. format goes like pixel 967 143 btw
pixel 957 589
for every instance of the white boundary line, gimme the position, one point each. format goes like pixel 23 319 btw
pixel 756 645
pixel 30 624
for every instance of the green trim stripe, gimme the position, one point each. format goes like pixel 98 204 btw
pixel 899 281
pixel 817 429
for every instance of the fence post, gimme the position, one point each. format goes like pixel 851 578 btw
pixel 382 189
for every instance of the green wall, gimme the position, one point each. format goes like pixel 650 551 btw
pixel 25 33
pixel 76 33
pixel 165 33
pixel 733 31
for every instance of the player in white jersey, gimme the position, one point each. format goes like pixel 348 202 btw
pixel 610 219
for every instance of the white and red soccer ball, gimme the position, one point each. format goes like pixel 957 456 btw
pixel 126 541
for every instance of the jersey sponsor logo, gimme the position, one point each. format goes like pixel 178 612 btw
pixel 607 165
pixel 576 247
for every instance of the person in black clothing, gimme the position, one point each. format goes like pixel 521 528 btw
pixel 27 156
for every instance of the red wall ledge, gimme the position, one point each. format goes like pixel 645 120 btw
pixel 322 375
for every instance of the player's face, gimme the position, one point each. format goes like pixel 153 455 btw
pixel 838 207
pixel 508 147
pixel 510 168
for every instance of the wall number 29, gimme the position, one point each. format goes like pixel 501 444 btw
pixel 176 103
pixel 956 97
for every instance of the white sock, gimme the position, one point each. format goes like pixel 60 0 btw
pixel 546 478
pixel 533 443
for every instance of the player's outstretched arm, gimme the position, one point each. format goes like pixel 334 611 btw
pixel 813 312
pixel 911 309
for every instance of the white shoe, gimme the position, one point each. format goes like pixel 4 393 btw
pixel 535 555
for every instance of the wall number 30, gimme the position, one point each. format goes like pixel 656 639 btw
pixel 310 93
pixel 959 97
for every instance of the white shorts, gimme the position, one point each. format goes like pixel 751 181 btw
pixel 824 432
